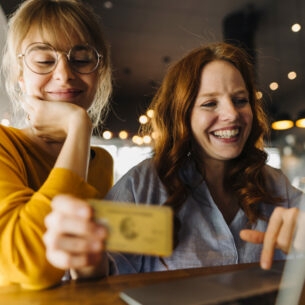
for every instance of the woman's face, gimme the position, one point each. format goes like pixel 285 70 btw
pixel 63 83
pixel 221 117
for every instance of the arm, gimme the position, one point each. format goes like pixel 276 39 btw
pixel 66 130
pixel 26 190
pixel 27 187
pixel 282 222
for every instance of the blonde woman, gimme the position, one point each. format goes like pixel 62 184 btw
pixel 57 71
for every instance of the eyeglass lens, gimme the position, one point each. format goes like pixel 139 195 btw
pixel 42 58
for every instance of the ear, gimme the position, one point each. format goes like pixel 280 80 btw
pixel 21 83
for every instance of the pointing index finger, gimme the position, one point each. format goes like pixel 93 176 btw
pixel 270 239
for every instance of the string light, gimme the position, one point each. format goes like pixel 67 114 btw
pixel 274 86
pixel 154 135
pixel 123 134
pixel 107 135
pixel 143 119
pixel 296 27
pixel 108 5
pixel 259 95
pixel 137 140
pixel 147 139
pixel 292 75
pixel 150 113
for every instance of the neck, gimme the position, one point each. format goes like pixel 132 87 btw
pixel 224 198
pixel 214 171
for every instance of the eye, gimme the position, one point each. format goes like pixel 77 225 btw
pixel 208 104
pixel 80 61
pixel 41 58
pixel 240 101
pixel 82 56
pixel 45 62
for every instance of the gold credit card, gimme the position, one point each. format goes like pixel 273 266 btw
pixel 136 228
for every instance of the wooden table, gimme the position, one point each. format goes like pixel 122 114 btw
pixel 101 292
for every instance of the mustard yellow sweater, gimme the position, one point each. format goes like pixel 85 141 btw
pixel 28 182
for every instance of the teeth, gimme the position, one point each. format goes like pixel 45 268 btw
pixel 226 133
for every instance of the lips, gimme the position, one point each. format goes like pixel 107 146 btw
pixel 65 93
pixel 226 133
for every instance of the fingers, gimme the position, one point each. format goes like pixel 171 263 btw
pixel 63 260
pixel 270 239
pixel 75 242
pixel 35 109
pixel 289 221
pixel 299 240
pixel 72 206
pixel 279 234
pixel 54 120
pixel 252 236
pixel 72 238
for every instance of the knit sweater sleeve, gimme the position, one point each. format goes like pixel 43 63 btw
pixel 26 191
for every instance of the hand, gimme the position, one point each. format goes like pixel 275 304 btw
pixel 279 234
pixel 73 240
pixel 53 120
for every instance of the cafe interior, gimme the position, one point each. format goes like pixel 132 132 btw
pixel 147 36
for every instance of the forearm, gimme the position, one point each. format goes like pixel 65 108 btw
pixel 19 263
pixel 75 151
pixel 22 222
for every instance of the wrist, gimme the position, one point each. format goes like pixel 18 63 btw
pixel 98 271
pixel 80 125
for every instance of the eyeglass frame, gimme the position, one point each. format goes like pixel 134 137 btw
pixel 23 55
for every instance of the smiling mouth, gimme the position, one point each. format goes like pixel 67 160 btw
pixel 64 95
pixel 226 134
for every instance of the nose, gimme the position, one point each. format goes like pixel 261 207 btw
pixel 63 71
pixel 228 111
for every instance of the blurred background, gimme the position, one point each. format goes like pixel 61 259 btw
pixel 147 36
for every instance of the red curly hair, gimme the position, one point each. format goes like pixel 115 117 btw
pixel 174 141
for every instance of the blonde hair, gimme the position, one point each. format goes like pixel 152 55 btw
pixel 57 19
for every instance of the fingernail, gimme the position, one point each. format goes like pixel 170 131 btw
pixel 264 265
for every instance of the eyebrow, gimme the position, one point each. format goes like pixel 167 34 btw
pixel 214 93
pixel 241 91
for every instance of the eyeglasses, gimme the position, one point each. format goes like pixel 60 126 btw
pixel 42 58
